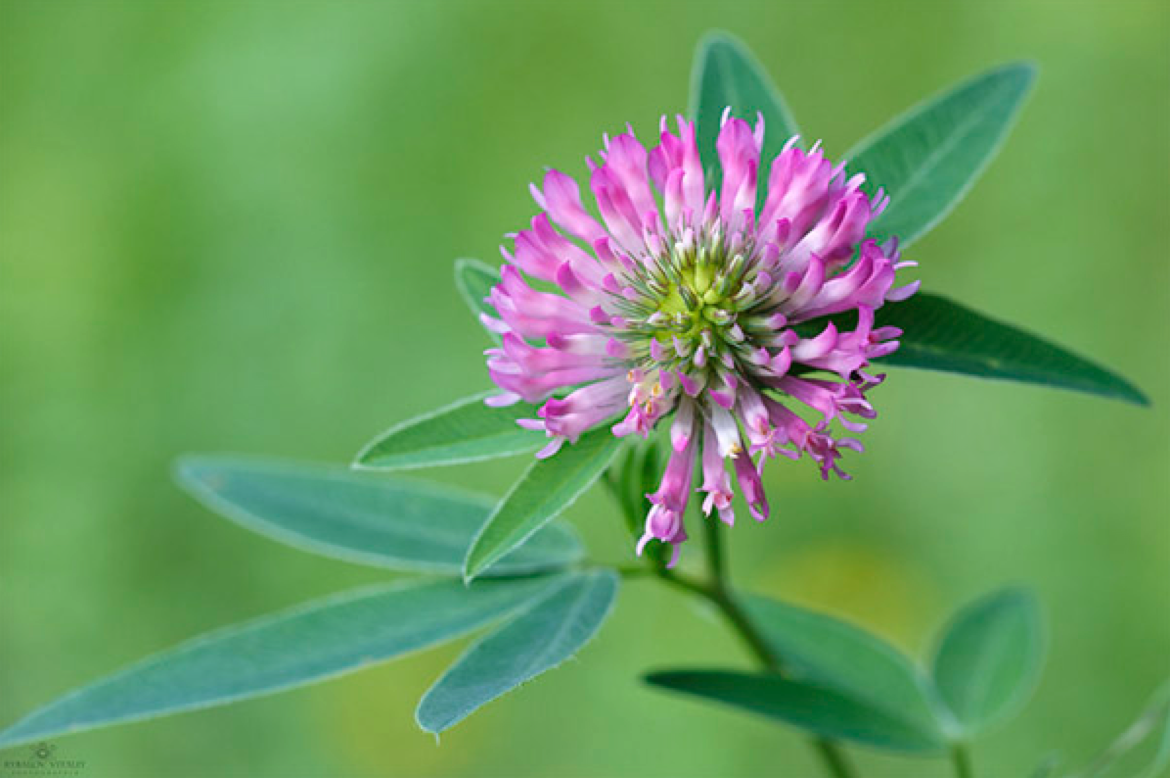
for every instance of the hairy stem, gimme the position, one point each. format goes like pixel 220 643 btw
pixel 718 593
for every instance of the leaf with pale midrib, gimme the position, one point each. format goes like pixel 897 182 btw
pixel 822 649
pixel 546 488
pixel 726 74
pixel 384 521
pixel 308 643
pixel 546 634
pixel 989 658
pixel 465 431
pixel 814 707
pixel 929 157
pixel 940 334
pixel 474 280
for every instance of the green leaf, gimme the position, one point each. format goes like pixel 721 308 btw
pixel 989 658
pixel 382 521
pixel 927 158
pixel 821 709
pixel 633 475
pixel 474 280
pixel 824 650
pixel 546 634
pixel 939 334
pixel 1129 756
pixel 465 431
pixel 312 642
pixel 546 488
pixel 726 74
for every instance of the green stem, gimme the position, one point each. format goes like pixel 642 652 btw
pixel 716 568
pixel 717 591
pixel 834 758
pixel 962 761
pixel 625 571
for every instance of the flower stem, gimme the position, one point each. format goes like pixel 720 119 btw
pixel 962 761
pixel 717 592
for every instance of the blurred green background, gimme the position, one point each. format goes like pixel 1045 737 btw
pixel 230 226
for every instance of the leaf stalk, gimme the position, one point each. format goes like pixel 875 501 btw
pixel 717 591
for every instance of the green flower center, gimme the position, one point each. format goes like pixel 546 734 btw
pixel 696 300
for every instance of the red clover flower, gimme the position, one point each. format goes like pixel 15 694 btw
pixel 685 299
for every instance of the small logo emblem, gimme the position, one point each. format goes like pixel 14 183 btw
pixel 43 751
pixel 40 760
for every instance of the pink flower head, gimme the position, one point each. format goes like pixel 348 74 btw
pixel 685 300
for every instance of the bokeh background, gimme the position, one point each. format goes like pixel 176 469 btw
pixel 230 226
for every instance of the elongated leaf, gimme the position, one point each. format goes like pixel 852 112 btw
pixel 821 649
pixel 635 473
pixel 989 659
pixel 375 520
pixel 474 280
pixel 726 74
pixel 927 158
pixel 309 643
pixel 465 431
pixel 631 477
pixel 546 634
pixel 820 709
pixel 546 488
pixel 939 334
pixel 1142 750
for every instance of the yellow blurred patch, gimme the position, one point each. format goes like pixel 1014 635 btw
pixel 870 586
pixel 369 718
